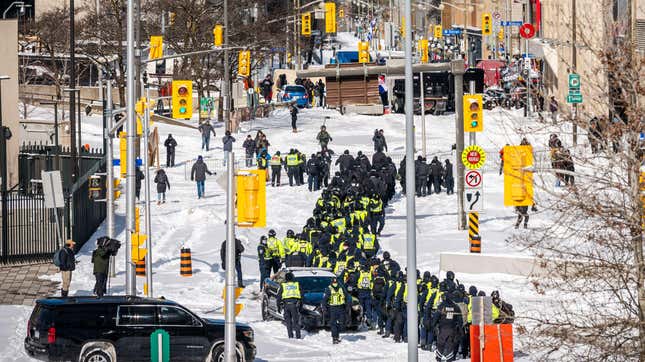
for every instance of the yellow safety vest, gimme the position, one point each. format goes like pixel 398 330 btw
pixel 365 201
pixel 323 262
pixel 368 241
pixel 276 160
pixel 431 291
pixel 291 290
pixel 437 300
pixel 365 280
pixel 292 159
pixel 377 205
pixel 337 296
pixel 359 216
pixel 290 245
pixel 340 224
pixel 340 266
pixel 304 247
pixel 277 249
pixel 348 201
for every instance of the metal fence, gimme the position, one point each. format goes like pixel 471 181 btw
pixel 29 232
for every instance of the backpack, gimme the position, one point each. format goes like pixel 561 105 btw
pixel 58 257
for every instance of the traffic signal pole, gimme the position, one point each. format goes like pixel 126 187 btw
pixel 229 332
pixel 146 162
pixel 224 88
pixel 109 154
pixel 412 313
pixel 131 129
pixel 458 72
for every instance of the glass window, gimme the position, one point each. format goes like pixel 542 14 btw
pixel 173 316
pixel 294 89
pixel 314 284
pixel 130 315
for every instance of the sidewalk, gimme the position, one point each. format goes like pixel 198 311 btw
pixel 19 284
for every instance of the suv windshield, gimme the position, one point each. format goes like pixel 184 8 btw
pixel 294 89
pixel 314 284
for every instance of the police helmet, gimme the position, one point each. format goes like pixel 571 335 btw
pixel 434 280
pixel 263 238
pixel 277 153
pixel 386 255
pixel 495 295
pixel 450 275
pixel 289 233
pixel 426 276
pixel 289 277
pixel 271 233
pixel 481 293
pixel 472 290
pixel 443 287
pixel 334 280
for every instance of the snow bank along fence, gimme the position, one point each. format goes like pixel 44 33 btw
pixel 29 230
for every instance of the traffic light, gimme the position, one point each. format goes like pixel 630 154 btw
pixel 487 24
pixel 139 109
pixel 218 35
pixel 116 188
pixel 473 113
pixel 251 198
pixel 518 182
pixel 238 306
pixel 330 17
pixel 363 52
pixel 182 99
pixel 500 34
pixel 438 31
pixel 306 24
pixel 95 188
pixel 423 50
pixel 244 63
pixel 156 47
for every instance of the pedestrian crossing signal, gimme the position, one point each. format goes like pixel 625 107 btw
pixel 218 35
pixel 156 47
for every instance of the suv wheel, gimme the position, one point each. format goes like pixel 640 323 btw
pixel 217 354
pixel 265 309
pixel 96 355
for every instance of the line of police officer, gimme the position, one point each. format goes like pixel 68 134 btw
pixel 343 236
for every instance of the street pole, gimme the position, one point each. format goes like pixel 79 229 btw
pixel 229 332
pixel 458 72
pixel 224 88
pixel 109 155
pixel 72 95
pixel 297 34
pixel 131 130
pixel 3 175
pixel 507 33
pixel 574 61
pixel 146 162
pixel 412 313
pixel 528 76
pixel 423 116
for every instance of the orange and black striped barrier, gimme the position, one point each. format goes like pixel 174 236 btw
pixel 141 268
pixel 186 268
pixel 473 233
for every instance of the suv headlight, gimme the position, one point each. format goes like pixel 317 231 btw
pixel 248 334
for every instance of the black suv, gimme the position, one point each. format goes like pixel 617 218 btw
pixel 119 327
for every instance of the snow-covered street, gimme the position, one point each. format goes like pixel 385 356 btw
pixel 185 221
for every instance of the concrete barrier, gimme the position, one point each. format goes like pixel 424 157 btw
pixel 490 263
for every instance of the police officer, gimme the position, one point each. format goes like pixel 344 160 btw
pixel 289 298
pixel 337 303
pixel 277 251
pixel 379 289
pixel 265 259
pixel 448 321
pixel 276 168
pixel 292 167
pixel 369 244
pixel 364 287
pixel 377 216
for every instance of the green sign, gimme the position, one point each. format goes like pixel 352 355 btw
pixel 574 81
pixel 206 107
pixel 159 346
pixel 574 98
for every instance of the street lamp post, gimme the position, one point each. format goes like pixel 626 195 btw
pixel 3 174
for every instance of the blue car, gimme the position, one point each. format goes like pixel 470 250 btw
pixel 297 93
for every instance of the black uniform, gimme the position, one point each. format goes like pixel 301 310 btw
pixel 170 145
pixel 448 321
pixel 338 303
pixel 289 298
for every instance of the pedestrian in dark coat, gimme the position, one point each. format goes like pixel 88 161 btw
pixel 239 249
pixel 321 93
pixel 323 137
pixel 294 117
pixel 139 176
pixel 436 169
pixel 448 321
pixel 67 266
pixel 227 144
pixel 198 174
pixel 267 88
pixel 448 178
pixel 249 150
pixel 101 261
pixel 421 176
pixel 313 172
pixel 161 179
pixel 170 145
pixel 379 160
pixel 402 174
pixel 206 129
pixel 345 162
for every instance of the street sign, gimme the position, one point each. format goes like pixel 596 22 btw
pixel 473 179
pixel 473 157
pixel 527 63
pixel 574 82
pixel 510 23
pixel 574 98
pixel 527 31
pixel 474 200
pixel 452 32
pixel 159 346
pixel 53 189
pixel 497 15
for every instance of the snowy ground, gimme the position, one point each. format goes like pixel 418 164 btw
pixel 199 224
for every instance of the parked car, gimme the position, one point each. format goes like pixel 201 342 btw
pixel 119 327
pixel 313 282
pixel 297 93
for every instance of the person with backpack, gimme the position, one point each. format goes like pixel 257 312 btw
pixel 161 179
pixel 65 261
pixel 101 261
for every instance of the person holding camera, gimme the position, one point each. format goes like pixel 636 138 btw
pixel 101 260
